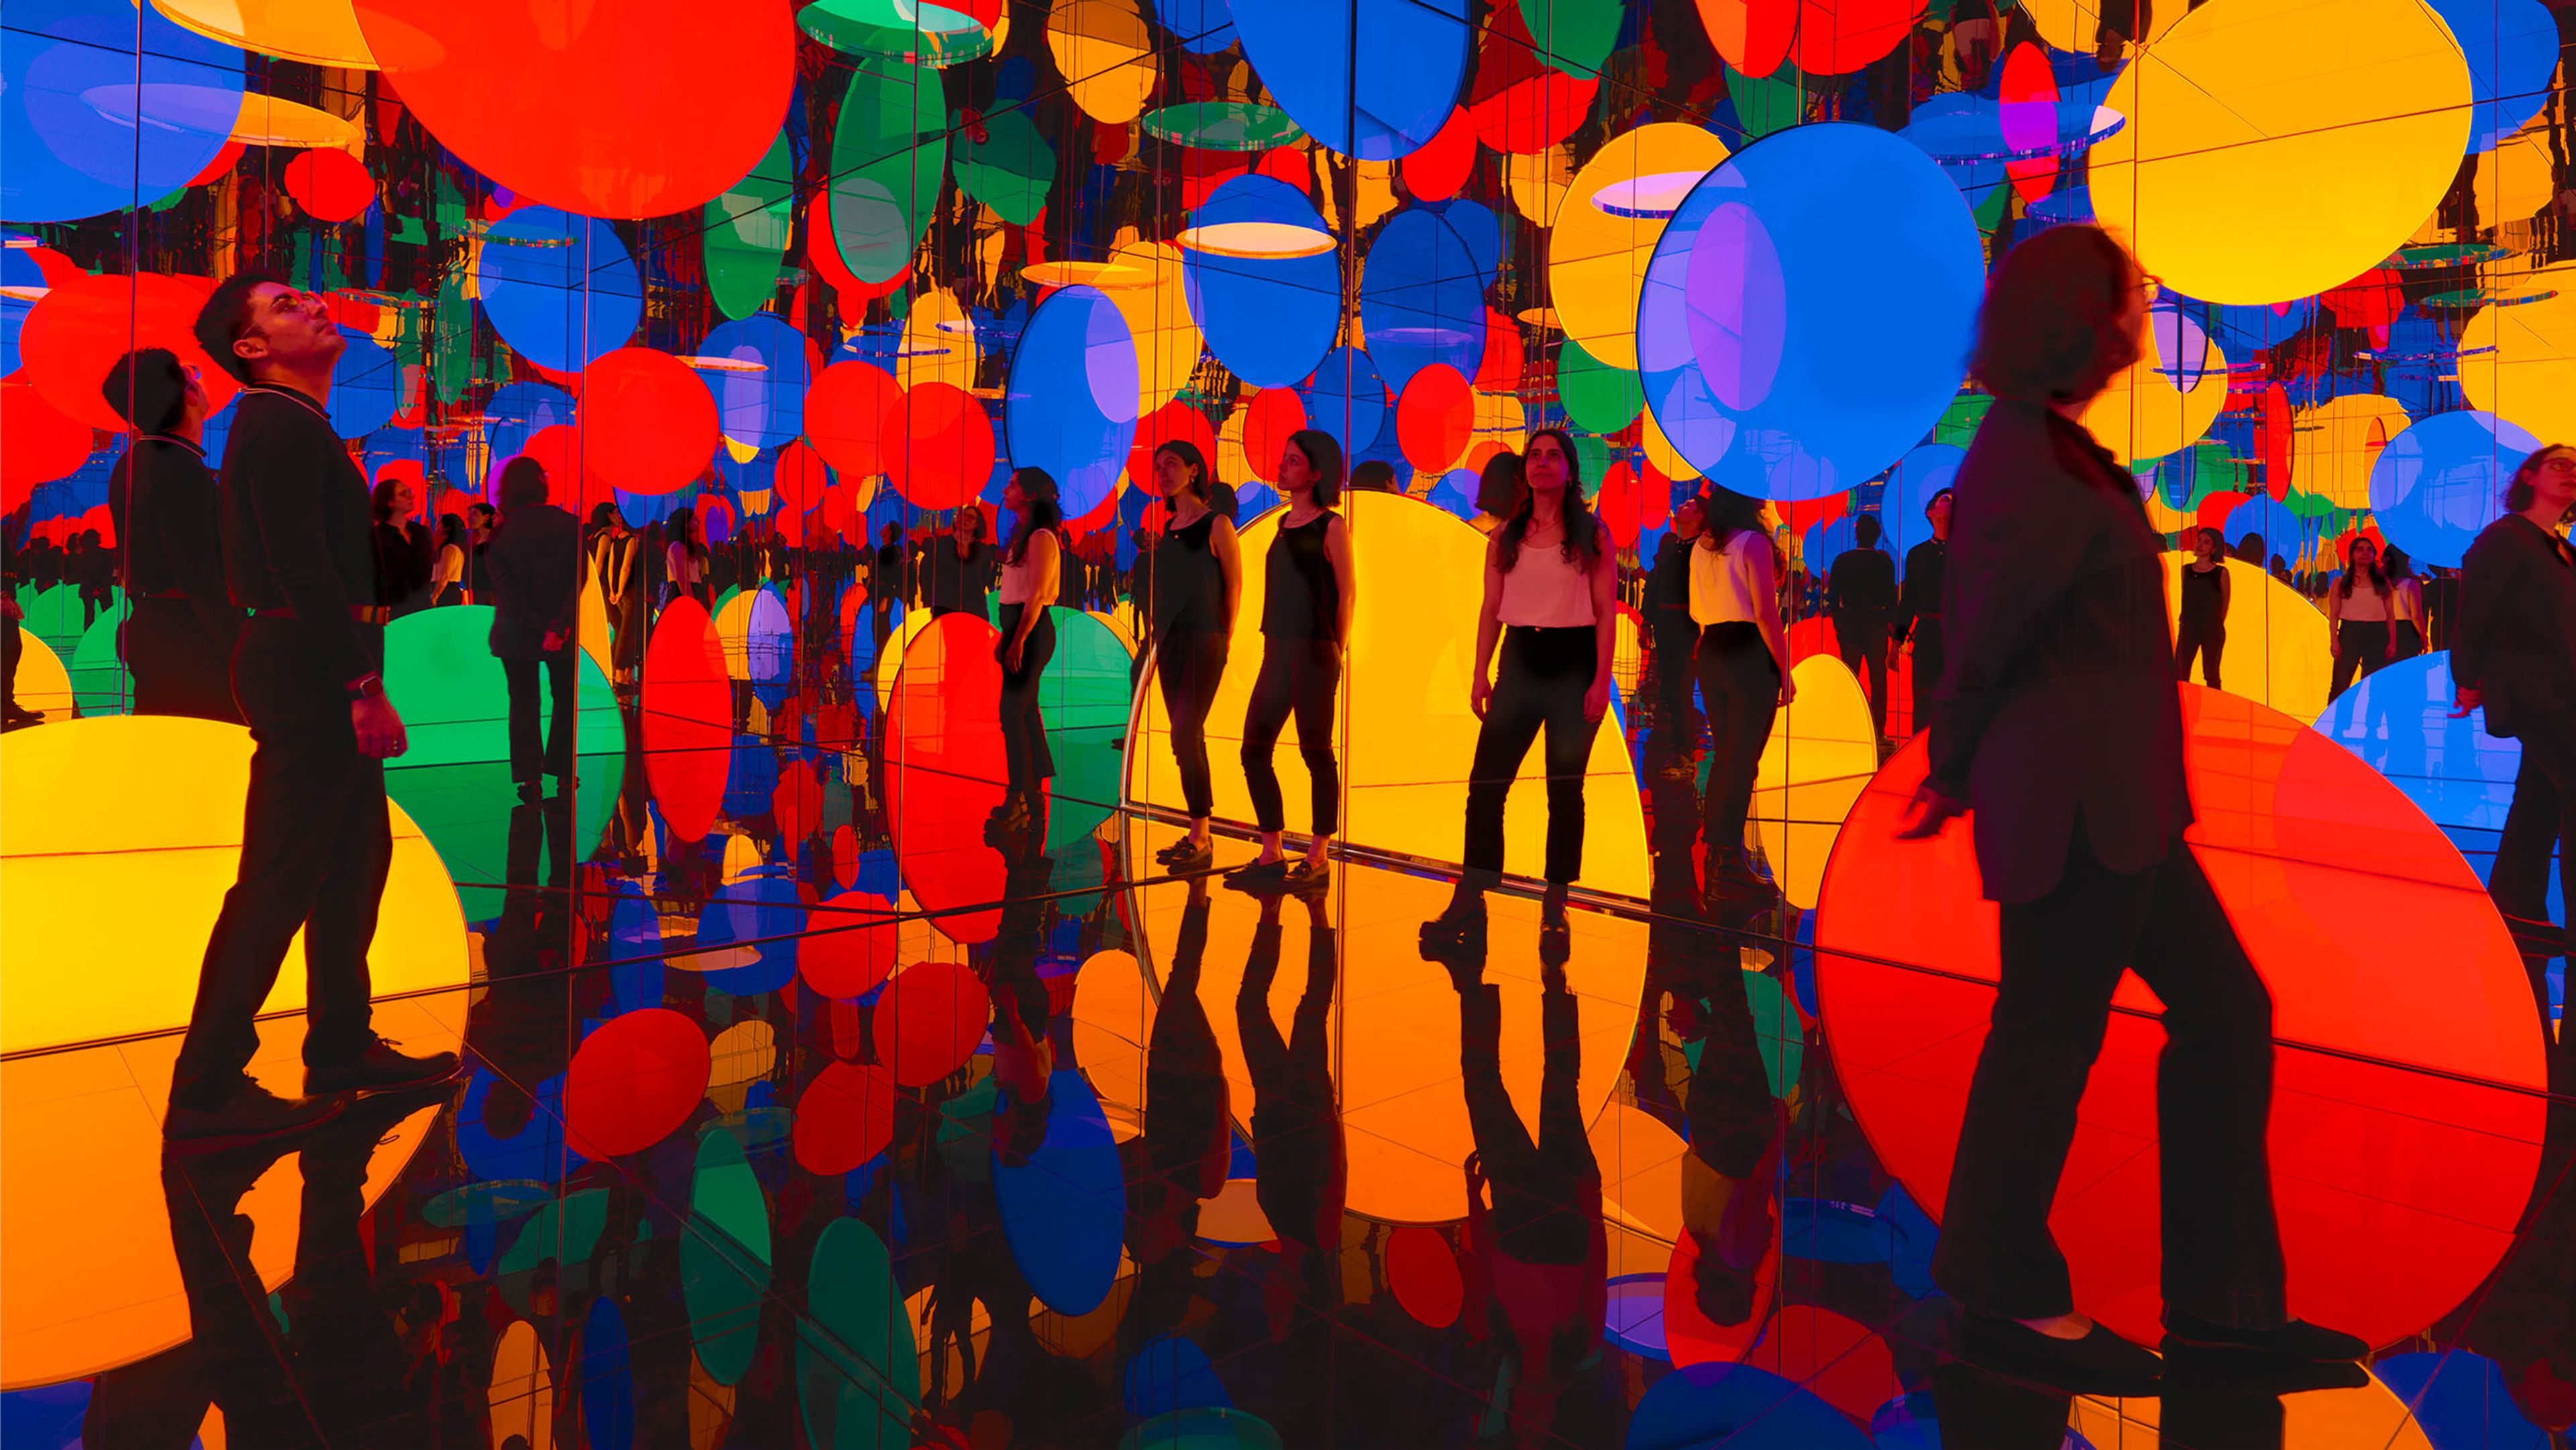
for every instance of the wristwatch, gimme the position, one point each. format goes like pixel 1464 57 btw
pixel 370 687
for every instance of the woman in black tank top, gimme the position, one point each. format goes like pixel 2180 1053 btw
pixel 1305 616
pixel 1197 576
pixel 2202 629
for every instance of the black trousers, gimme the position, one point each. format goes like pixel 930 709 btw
pixel 1296 1123
pixel 1676 640
pixel 2542 817
pixel 178 668
pixel 1024 741
pixel 317 840
pixel 1739 685
pixel 2360 645
pixel 1189 664
pixel 1544 675
pixel 1931 657
pixel 2205 638
pixel 2410 638
pixel 1539 1183
pixel 1299 677
pixel 2062 956
pixel 1862 641
pixel 527 755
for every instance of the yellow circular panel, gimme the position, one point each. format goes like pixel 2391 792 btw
pixel 2279 651
pixel 2514 180
pixel 319 32
pixel 891 657
pixel 1823 749
pixel 268 121
pixel 1113 1019
pixel 1404 694
pixel 118 839
pixel 1660 452
pixel 44 686
pixel 2276 148
pixel 1641 1187
pixel 938 343
pixel 2530 377
pixel 1499 418
pixel 523 1389
pixel 1596 262
pixel 1538 181
pixel 2371 1414
pixel 1106 55
pixel 2338 441
pixel 2076 25
pixel 741 1055
pixel 2146 414
pixel 1158 316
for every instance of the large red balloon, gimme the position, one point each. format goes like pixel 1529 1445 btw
pixel 38 444
pixel 2407 1112
pixel 939 444
pixel 846 416
pixel 634 109
pixel 634 1082
pixel 688 718
pixel 648 423
pixel 83 324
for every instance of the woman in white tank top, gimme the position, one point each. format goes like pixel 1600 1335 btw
pixel 1743 669
pixel 1549 574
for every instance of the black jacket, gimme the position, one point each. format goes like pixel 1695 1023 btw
pixel 1926 565
pixel 533 569
pixel 297 527
pixel 2515 639
pixel 1862 587
pixel 163 497
pixel 2059 702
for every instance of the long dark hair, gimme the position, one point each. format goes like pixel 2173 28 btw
pixel 1728 513
pixel 1042 514
pixel 1325 457
pixel 2378 580
pixel 2519 492
pixel 1582 544
pixel 1191 459
pixel 384 497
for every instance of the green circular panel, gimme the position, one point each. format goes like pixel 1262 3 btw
pixel 889 156
pixel 858 1375
pixel 1597 396
pixel 101 684
pixel 1224 125
pixel 1009 170
pixel 932 35
pixel 724 1258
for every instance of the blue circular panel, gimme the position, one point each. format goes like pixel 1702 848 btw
pixel 1269 319
pixel 2440 481
pixel 1376 100
pixel 2512 46
pixel 1347 399
pixel 1910 485
pixel 1808 312
pixel 2282 532
pixel 1071 405
pixel 1422 297
pixel 1064 1207
pixel 766 407
pixel 560 290
pixel 71 97
pixel 364 386
pixel 1203 27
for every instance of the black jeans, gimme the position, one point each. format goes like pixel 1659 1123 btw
pixel 2062 956
pixel 1188 664
pixel 2207 640
pixel 1862 642
pixel 1931 657
pixel 1676 640
pixel 1539 1184
pixel 178 668
pixel 2543 816
pixel 1024 741
pixel 317 840
pixel 1300 677
pixel 1739 685
pixel 1544 676
pixel 2360 644
pixel 525 733
pixel 1299 1151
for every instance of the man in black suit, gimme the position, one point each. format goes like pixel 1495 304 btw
pixel 317 838
pixel 1918 606
pixel 532 568
pixel 1860 594
pixel 179 639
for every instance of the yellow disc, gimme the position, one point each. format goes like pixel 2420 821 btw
pixel 2514 181
pixel 2530 377
pixel 1159 318
pixel 2371 1414
pixel 2076 25
pixel 1106 55
pixel 268 121
pixel 2276 148
pixel 1660 452
pixel 2146 414
pixel 1641 1187
pixel 1596 260
pixel 2279 650
pixel 44 686
pixel 2338 441
pixel 938 343
pixel 1538 181
pixel 317 32
pixel 523 1389
pixel 1822 750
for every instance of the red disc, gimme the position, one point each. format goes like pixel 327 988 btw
pixel 1174 422
pixel 633 1082
pixel 1753 35
pixel 846 417
pixel 1424 1275
pixel 798 481
pixel 944 773
pixel 930 1020
pixel 648 423
pixel 1616 503
pixel 940 446
pixel 1839 1360
pixel 82 325
pixel 601 110
pixel 688 718
pixel 1714 1308
pixel 1500 369
pixel 1838 37
pixel 798 801
pixel 851 947
pixel 38 443
pixel 2402 1016
pixel 845 1118
pixel 1438 167
pixel 1274 414
pixel 331 186
pixel 1435 418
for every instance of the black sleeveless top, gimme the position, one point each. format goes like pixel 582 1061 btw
pixel 1188 584
pixel 1304 595
pixel 2200 594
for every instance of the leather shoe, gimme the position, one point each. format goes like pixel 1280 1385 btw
pixel 2297 1341
pixel 379 1068
pixel 2101 1363
pixel 249 1114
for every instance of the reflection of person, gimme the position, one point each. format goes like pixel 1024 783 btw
pixel 1674 635
pixel 447 575
pixel 402 548
pixel 2406 602
pixel 317 837
pixel 1918 605
pixel 1188 1137
pixel 2513 650
pixel 533 570
pixel 685 559
pixel 1548 602
pixel 1300 1161
pixel 1743 667
pixel 179 638
pixel 2359 617
pixel 1309 596
pixel 1029 584
pixel 1499 486
pixel 1196 575
pixel 2060 723
pixel 2202 629
pixel 1860 595
pixel 956 570
pixel 889 583
pixel 616 562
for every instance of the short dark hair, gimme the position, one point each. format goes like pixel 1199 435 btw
pixel 1937 496
pixel 1500 486
pixel 227 312
pixel 1865 529
pixel 2050 328
pixel 523 483
pixel 148 388
pixel 1324 455
pixel 1374 473
pixel 2519 493
pixel 1191 459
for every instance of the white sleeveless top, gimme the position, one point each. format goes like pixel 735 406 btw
pixel 1017 579
pixel 1722 581
pixel 1545 590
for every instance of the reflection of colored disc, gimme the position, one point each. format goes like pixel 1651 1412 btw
pixel 944 772
pixel 1266 297
pixel 1224 125
pixel 1373 79
pixel 724 1258
pixel 1064 1206
pixel 934 35
pixel 1070 407
pixel 858 1373
pixel 688 718
pixel 2402 1014
pixel 2440 481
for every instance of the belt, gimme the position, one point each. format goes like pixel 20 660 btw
pixel 377 614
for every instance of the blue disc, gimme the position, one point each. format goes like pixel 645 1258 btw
pixel 763 408
pixel 1917 476
pixel 1347 399
pixel 365 386
pixel 607 1377
pixel 561 290
pixel 1856 238
pixel 2283 534
pixel 85 128
pixel 2512 47
pixel 1268 319
pixel 1373 79
pixel 1203 27
pixel 514 415
pixel 1737 1405
pixel 1064 1207
pixel 2442 479
pixel 1422 297
pixel 1070 407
